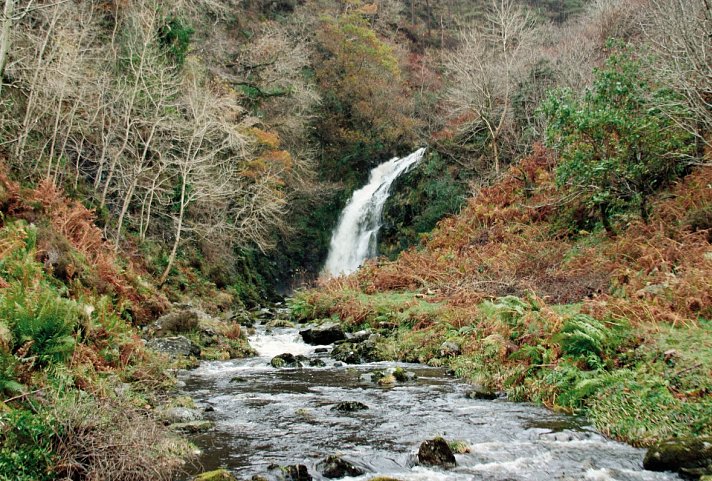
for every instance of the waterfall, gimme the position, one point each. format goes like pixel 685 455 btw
pixel 354 239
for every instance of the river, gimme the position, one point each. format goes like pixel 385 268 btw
pixel 266 416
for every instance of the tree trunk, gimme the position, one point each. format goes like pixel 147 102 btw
pixel 174 250
pixel 7 14
pixel 603 210
pixel 644 208
pixel 124 208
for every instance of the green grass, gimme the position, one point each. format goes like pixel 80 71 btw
pixel 638 384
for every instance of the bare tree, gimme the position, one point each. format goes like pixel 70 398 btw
pixel 679 32
pixel 209 148
pixel 484 71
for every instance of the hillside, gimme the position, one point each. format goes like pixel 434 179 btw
pixel 545 311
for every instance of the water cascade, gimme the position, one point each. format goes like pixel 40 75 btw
pixel 355 237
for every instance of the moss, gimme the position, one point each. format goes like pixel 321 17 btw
pixel 216 475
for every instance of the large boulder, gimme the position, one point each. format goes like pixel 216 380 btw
pixel 449 349
pixel 688 456
pixel 436 452
pixel 183 318
pixel 179 414
pixel 325 334
pixel 347 353
pixel 174 346
pixel 335 467
pixel 358 352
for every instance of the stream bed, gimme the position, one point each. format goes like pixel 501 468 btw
pixel 266 416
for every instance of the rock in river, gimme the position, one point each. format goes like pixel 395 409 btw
pixel 689 456
pixel 295 472
pixel 349 406
pixel 436 452
pixel 335 467
pixel 287 360
pixel 217 475
pixel 325 334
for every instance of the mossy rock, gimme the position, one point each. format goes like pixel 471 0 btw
pixel 287 360
pixel 182 402
pixel 689 456
pixel 388 380
pixel 402 375
pixel 436 452
pixel 278 362
pixel 217 475
pixel 276 323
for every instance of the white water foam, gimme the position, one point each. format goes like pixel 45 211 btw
pixel 276 343
pixel 355 237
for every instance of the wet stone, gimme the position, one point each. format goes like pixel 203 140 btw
pixel 436 452
pixel 287 360
pixel 193 426
pixel 481 393
pixel 335 467
pixel 217 475
pixel 324 334
pixel 294 472
pixel 349 406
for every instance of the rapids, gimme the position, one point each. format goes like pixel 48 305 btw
pixel 265 415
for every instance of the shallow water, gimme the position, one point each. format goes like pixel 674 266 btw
pixel 264 415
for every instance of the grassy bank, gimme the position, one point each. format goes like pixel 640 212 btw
pixel 82 395
pixel 612 325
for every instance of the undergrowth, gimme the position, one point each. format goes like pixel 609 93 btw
pixel 68 346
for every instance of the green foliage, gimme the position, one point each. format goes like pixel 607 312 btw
pixel 618 146
pixel 508 309
pixel 26 451
pixel 639 406
pixel 365 107
pixel 418 200
pixel 41 320
pixel 582 336
pixel 174 36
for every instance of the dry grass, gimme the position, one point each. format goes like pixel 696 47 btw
pixel 106 441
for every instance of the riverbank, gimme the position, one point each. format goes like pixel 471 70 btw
pixel 514 297
pixel 87 378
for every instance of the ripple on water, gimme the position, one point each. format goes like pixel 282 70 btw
pixel 285 417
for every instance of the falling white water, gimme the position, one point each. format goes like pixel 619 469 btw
pixel 354 239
